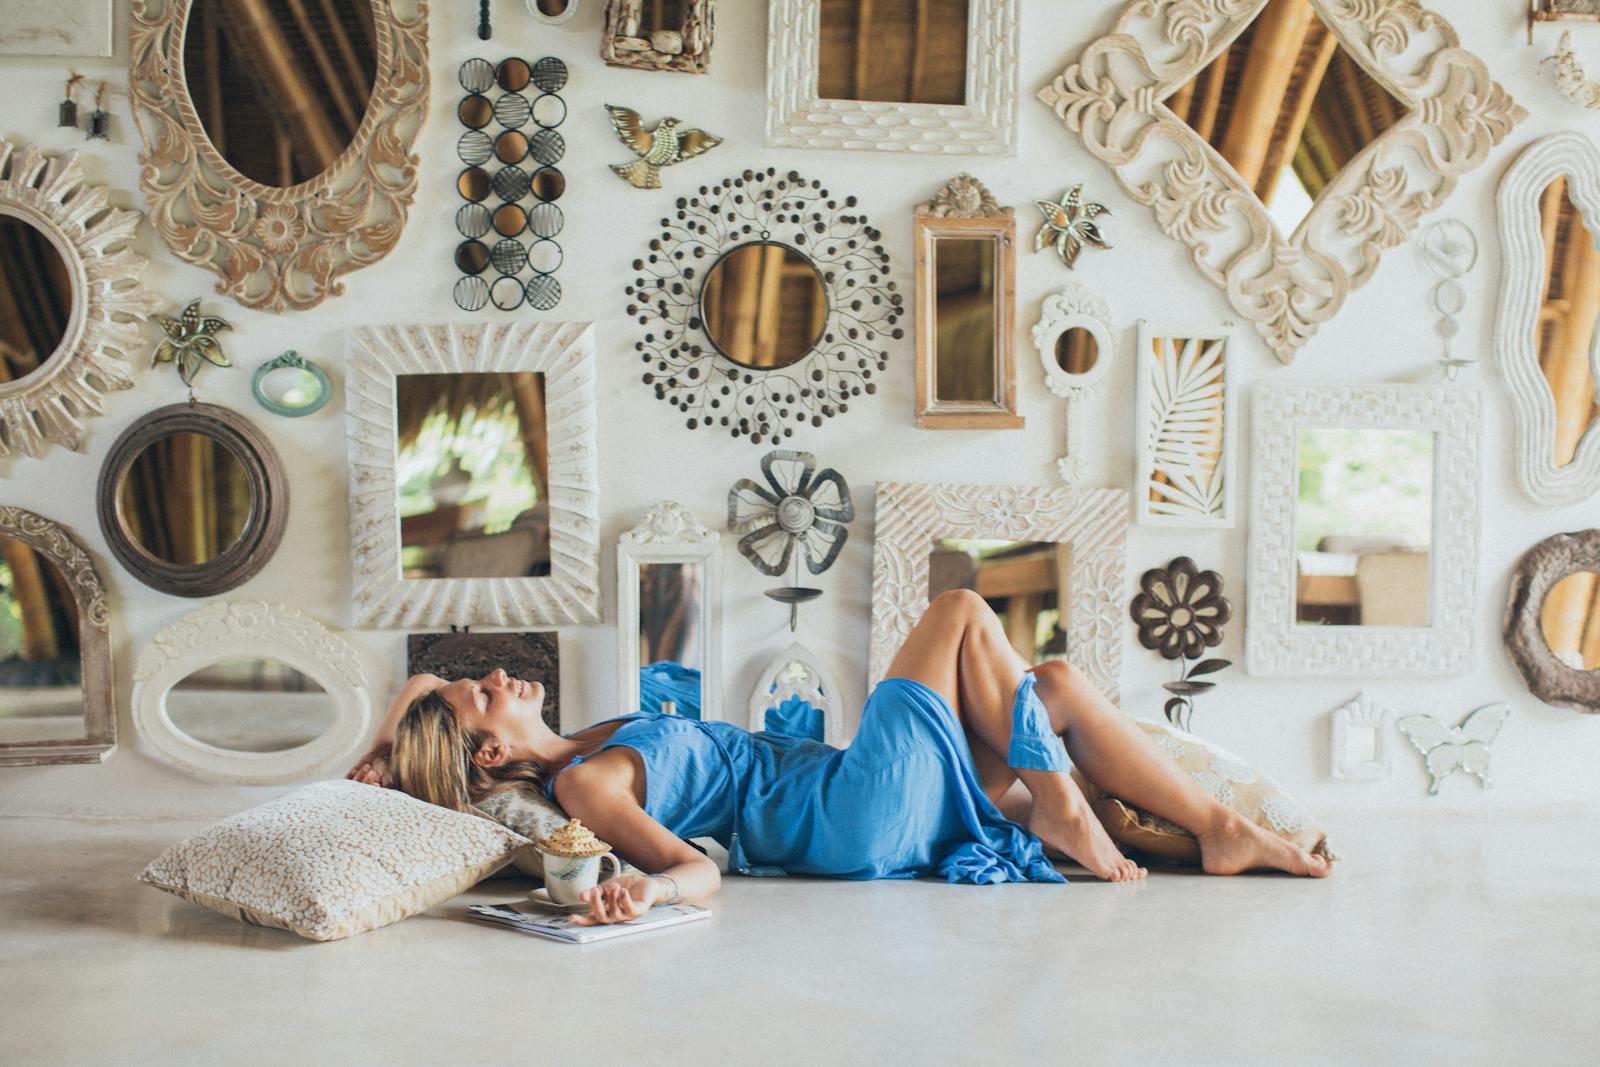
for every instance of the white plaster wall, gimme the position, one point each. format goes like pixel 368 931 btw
pixel 1545 755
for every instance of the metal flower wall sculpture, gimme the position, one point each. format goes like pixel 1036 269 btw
pixel 191 342
pixel 799 512
pixel 1069 225
pixel 1180 612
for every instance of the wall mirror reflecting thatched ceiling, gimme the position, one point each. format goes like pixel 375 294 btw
pixel 1287 143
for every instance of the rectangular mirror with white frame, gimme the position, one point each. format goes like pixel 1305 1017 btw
pixel 903 76
pixel 1363 530
pixel 966 264
pixel 472 475
pixel 669 615
pixel 1186 429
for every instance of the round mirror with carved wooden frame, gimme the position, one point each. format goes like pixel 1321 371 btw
pixel 255 471
pixel 1538 573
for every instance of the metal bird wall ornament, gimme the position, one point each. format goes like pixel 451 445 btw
pixel 663 146
pixel 191 342
pixel 1069 225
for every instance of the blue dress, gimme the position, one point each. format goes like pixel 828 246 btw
pixel 902 801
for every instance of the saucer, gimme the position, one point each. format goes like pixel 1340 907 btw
pixel 542 899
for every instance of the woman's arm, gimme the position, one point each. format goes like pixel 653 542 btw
pixel 373 768
pixel 600 793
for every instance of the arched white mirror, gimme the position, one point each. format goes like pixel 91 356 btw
pixel 796 695
pixel 250 693
pixel 669 615
pixel 1076 349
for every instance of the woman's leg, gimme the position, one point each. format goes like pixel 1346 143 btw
pixel 1116 755
pixel 959 650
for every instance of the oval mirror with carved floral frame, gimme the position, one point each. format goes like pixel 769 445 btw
pixel 25 740
pixel 107 299
pixel 278 247
pixel 230 630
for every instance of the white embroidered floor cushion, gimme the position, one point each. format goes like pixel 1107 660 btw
pixel 333 859
pixel 1245 789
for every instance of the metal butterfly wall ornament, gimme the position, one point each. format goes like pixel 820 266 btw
pixel 1448 749
pixel 1069 225
pixel 191 342
pixel 666 144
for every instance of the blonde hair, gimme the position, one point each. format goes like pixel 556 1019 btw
pixel 431 758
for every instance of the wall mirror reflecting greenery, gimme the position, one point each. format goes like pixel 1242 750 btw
pixel 55 654
pixel 250 704
pixel 291 385
pixel 472 475
pixel 282 93
pixel 904 51
pixel 1026 582
pixel 1288 107
pixel 193 500
pixel 763 305
pixel 1364 527
pixel 966 310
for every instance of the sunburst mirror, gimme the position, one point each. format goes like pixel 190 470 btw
pixel 1287 143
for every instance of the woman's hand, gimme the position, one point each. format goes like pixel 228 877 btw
pixel 373 768
pixel 619 900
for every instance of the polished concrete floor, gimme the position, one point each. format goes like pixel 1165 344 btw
pixel 1439 940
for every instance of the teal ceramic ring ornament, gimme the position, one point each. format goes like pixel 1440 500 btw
pixel 291 385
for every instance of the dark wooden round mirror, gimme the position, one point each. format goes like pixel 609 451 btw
pixel 763 305
pixel 193 500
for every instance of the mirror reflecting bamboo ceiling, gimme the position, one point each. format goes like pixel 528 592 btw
pixel 1287 107
pixel 900 51
pixel 1567 333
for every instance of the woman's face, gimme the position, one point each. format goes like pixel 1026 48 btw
pixel 496 704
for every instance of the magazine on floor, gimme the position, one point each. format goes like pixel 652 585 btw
pixel 536 920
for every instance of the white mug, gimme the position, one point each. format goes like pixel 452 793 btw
pixel 567 877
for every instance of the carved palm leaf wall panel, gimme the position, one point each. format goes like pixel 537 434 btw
pixel 1115 97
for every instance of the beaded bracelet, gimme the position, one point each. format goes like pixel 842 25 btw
pixel 677 894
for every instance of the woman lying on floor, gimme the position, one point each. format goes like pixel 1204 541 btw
pixel 958 721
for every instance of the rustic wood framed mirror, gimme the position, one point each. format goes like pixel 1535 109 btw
pixel 193 500
pixel 1552 623
pixel 669 615
pixel 966 305
pixel 1547 334
pixel 277 149
pixel 659 34
pixel 929 76
pixel 1287 143
pixel 55 647
pixel 70 299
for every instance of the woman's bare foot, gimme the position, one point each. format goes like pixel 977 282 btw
pixel 1240 845
pixel 1077 832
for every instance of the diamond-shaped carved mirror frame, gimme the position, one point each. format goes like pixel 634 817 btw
pixel 1112 97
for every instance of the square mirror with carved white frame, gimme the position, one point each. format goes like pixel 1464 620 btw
pixel 473 471
pixel 669 615
pixel 1186 426
pixel 932 76
pixel 1363 529
pixel 1049 559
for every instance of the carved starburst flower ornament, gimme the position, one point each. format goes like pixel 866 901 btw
pixel 1069 225
pixel 191 342
pixel 799 512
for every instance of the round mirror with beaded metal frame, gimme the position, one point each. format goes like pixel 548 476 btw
pixel 1537 573
pixel 687 369
pixel 262 473
pixel 95 353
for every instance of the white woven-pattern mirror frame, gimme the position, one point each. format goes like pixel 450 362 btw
pixel 1287 285
pixel 1219 515
pixel 1074 307
pixel 1522 285
pixel 910 517
pixel 986 124
pixel 565 353
pixel 254 630
pixel 819 689
pixel 669 533
pixel 1274 643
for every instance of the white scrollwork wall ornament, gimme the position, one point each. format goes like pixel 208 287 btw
pixel 669 522
pixel 1286 285
pixel 1186 429
pixel 1075 307
pixel 910 518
